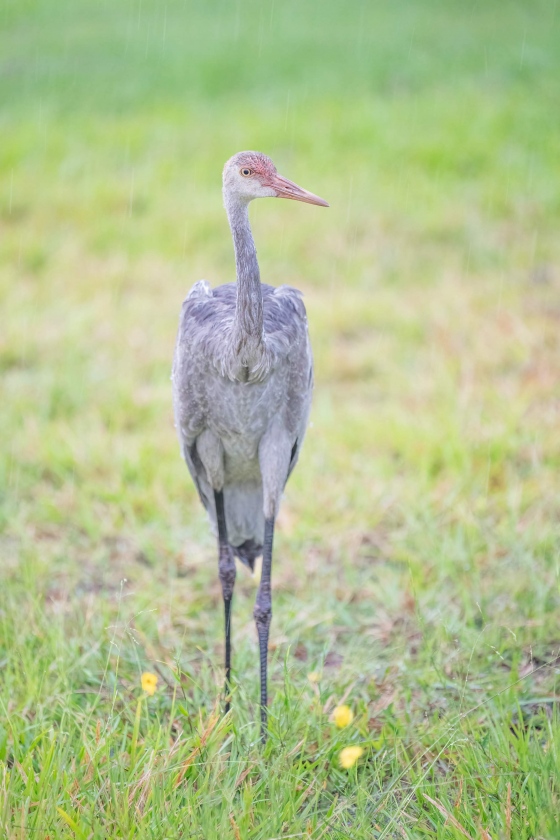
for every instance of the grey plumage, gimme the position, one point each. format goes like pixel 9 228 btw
pixel 242 383
pixel 232 409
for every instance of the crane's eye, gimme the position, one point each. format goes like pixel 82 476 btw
pixel 246 171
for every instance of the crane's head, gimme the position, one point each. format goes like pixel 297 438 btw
pixel 249 175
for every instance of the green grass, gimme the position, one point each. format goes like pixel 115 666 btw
pixel 417 566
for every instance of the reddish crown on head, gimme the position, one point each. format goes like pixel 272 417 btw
pixel 250 175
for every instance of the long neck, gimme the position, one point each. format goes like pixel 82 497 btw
pixel 248 323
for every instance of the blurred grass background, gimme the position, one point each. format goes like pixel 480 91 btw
pixel 417 560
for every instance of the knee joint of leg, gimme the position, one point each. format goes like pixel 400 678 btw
pixel 226 570
pixel 263 614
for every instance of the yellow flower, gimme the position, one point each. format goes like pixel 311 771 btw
pixel 149 683
pixel 314 676
pixel 349 756
pixel 343 716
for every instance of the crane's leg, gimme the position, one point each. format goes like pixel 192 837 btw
pixel 263 616
pixel 226 568
pixel 274 459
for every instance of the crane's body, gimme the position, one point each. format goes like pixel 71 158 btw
pixel 228 416
pixel 242 382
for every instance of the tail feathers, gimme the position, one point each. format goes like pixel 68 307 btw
pixel 248 552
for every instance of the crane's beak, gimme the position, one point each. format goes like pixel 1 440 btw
pixel 287 189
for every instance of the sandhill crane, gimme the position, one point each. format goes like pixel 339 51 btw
pixel 242 382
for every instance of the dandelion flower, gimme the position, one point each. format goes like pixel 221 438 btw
pixel 343 716
pixel 149 683
pixel 314 676
pixel 349 756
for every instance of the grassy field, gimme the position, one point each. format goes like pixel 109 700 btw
pixel 417 568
